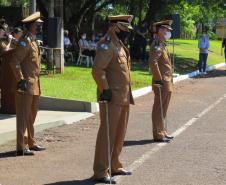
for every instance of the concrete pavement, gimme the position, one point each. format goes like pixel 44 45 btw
pixel 195 157
pixel 45 120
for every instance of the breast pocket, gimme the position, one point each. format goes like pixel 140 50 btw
pixel 122 60
pixel 166 57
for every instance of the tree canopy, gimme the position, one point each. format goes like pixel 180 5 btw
pixel 88 14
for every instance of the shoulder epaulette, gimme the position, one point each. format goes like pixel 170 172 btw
pixel 156 45
pixel 107 38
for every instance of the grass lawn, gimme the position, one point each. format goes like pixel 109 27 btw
pixel 77 82
pixel 187 54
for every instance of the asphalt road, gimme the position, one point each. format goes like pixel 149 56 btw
pixel 196 116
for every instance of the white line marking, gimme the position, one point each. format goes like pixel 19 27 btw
pixel 137 163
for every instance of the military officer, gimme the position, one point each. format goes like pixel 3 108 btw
pixel 7 44
pixel 162 82
pixel 25 64
pixel 111 71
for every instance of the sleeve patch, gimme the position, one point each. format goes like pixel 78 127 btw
pixel 22 43
pixel 104 46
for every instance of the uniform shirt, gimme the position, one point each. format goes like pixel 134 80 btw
pixel 203 44
pixel 25 63
pixel 111 69
pixel 160 64
pixel 84 44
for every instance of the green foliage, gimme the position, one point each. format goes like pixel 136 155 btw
pixel 212 35
pixel 14 2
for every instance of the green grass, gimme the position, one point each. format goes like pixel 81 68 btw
pixel 187 54
pixel 77 82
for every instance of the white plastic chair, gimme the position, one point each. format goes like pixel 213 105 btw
pixel 81 58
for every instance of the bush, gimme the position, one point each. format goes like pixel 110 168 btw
pixel 212 35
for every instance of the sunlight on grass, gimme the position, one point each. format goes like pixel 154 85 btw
pixel 77 82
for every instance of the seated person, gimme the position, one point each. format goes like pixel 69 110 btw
pixel 92 42
pixel 85 47
pixel 67 42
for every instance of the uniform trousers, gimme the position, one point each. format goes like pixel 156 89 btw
pixel 26 111
pixel 118 119
pixel 159 130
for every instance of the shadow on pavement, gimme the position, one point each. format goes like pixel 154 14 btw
pixel 140 142
pixel 75 182
pixel 8 154
pixel 213 74
pixel 6 116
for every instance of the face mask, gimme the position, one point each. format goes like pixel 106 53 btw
pixel 122 35
pixel 84 37
pixel 204 34
pixel 167 35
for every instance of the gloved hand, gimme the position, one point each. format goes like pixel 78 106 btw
pixel 10 37
pixel 22 85
pixel 158 83
pixel 106 95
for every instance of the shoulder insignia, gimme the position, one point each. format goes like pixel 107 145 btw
pixel 108 38
pixel 104 46
pixel 156 46
pixel 23 43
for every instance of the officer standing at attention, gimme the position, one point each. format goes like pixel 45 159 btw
pixel 25 64
pixel 162 82
pixel 111 71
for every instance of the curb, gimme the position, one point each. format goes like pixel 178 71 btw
pixel 58 104
pixel 146 90
pixel 67 120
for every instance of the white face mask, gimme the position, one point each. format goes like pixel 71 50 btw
pixel 167 35
pixel 84 37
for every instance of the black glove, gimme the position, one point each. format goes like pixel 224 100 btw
pixel 158 82
pixel 22 85
pixel 106 95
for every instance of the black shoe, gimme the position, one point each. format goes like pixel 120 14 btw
pixel 24 152
pixel 121 172
pixel 37 148
pixel 169 137
pixel 163 140
pixel 105 180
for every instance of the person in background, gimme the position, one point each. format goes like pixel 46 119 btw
pixel 224 46
pixel 5 40
pixel 92 42
pixel 85 47
pixel 140 41
pixel 7 79
pixel 203 45
pixel 67 42
pixel 17 33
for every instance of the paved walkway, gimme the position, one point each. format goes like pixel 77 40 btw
pixel 45 119
pixel 195 157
